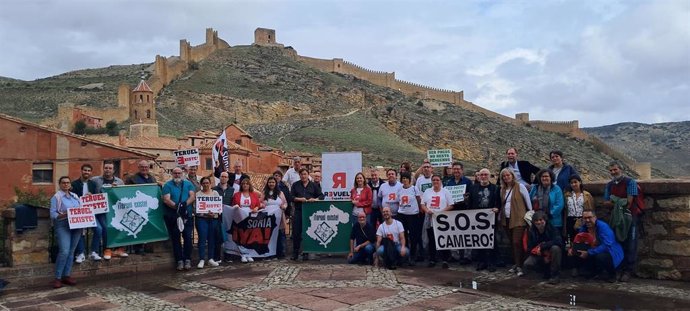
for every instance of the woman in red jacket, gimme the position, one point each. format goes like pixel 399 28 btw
pixel 361 197
pixel 247 198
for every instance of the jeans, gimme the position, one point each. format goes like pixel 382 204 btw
pixel 67 242
pixel 174 234
pixel 630 247
pixel 381 252
pixel 99 232
pixel 363 255
pixel 207 229
pixel 80 249
pixel 596 263
pixel 538 260
pixel 280 248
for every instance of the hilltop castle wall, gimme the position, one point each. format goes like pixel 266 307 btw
pixel 66 114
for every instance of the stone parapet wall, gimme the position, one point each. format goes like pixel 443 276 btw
pixel 664 249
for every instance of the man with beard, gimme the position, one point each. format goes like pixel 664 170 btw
pixel 82 186
pixel 144 176
pixel 107 180
pixel 482 195
pixel 178 197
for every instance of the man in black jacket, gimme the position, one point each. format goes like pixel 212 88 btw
pixel 303 190
pixel 82 186
pixel 524 171
pixel 544 244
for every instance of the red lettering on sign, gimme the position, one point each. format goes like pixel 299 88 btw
pixel 339 180
pixel 435 201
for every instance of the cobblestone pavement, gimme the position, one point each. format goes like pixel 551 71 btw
pixel 329 285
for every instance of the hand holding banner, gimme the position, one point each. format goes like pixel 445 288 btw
pixel 468 229
pixel 209 204
pixel 81 217
pixel 97 202
pixel 188 157
pixel 457 192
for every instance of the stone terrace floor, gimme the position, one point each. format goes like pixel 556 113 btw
pixel 327 284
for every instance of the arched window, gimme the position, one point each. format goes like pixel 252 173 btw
pixel 148 114
pixel 141 98
pixel 136 115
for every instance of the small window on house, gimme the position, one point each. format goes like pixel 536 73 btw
pixel 148 114
pixel 238 141
pixel 42 173
pixel 209 164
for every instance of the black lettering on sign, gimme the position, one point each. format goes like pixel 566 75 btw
pixel 442 222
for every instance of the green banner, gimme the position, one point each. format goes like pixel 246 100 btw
pixel 135 215
pixel 326 226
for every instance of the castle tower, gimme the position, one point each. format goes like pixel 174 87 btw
pixel 142 112
pixel 264 36
pixel 123 93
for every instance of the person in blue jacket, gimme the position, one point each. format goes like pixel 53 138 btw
pixel 604 254
pixel 561 170
pixel 548 197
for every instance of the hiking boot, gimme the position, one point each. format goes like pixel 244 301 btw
pixel 107 254
pixel 68 280
pixel 56 283
pixel 554 280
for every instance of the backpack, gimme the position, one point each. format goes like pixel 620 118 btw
pixel 638 207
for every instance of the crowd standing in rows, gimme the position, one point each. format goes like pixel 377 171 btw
pixel 545 214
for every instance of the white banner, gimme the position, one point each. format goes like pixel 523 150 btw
pixel 98 202
pixel 457 192
pixel 440 157
pixel 81 217
pixel 467 229
pixel 189 157
pixel 209 204
pixel 339 170
pixel 251 234
pixel 220 156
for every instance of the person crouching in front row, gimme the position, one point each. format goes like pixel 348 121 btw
pixel 362 239
pixel 545 245
pixel 390 241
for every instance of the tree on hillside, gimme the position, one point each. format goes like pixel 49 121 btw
pixel 80 127
pixel 111 128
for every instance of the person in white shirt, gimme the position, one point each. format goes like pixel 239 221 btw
pixel 424 180
pixel 408 214
pixel 389 192
pixel 394 231
pixel 434 200
pixel 292 174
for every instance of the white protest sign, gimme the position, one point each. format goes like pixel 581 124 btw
pixel 457 192
pixel 98 202
pixel 339 170
pixel 81 217
pixel 468 229
pixel 188 157
pixel 209 204
pixel 440 157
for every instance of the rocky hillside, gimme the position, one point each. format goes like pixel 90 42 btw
pixel 665 145
pixel 286 104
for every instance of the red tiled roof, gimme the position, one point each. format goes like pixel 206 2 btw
pixel 142 87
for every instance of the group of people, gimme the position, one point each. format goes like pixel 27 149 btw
pixel 548 208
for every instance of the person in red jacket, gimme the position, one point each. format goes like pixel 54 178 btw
pixel 247 197
pixel 361 197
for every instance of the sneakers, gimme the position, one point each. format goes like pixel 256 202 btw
pixel 519 271
pixel 80 258
pixel 444 265
pixel 107 254
pixel 513 269
pixel 94 256
pixel 68 280
pixel 187 264
pixel 201 264
pixel 56 283
pixel 250 259
pixel 244 259
pixel 180 265
pixel 213 263
pixel 120 252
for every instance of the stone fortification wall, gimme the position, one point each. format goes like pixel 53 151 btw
pixel 387 79
pixel 167 69
pixel 664 248
pixel 571 128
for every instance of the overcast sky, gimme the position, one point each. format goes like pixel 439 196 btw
pixel 597 61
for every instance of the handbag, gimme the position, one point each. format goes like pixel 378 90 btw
pixel 182 214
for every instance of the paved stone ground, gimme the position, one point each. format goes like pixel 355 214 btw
pixel 327 284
